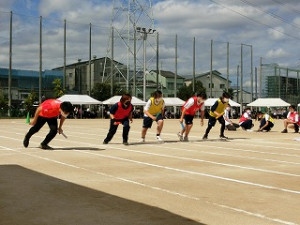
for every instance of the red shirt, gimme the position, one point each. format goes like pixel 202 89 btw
pixel 122 113
pixel 50 108
pixel 193 109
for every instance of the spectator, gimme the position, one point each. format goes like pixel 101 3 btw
pixel 292 120
pixel 228 123
pixel 266 121
pixel 246 120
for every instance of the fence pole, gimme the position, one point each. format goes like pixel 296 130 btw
pixel 227 81
pixel 157 60
pixel 10 64
pixel 194 63
pixel 175 78
pixel 90 58
pixel 41 60
pixel 65 54
pixel 241 82
pixel 211 67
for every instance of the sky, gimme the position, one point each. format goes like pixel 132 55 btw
pixel 271 27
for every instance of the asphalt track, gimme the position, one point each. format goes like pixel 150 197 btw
pixel 252 178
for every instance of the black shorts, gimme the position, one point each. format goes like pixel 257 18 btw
pixel 147 122
pixel 188 119
pixel 212 120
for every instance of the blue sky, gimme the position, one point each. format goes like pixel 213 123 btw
pixel 272 27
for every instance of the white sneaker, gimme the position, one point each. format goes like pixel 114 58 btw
pixel 159 138
pixel 180 136
pixel 142 140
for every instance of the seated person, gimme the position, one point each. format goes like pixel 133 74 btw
pixel 246 120
pixel 292 120
pixel 228 123
pixel 266 121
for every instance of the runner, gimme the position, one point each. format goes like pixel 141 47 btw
pixel 189 109
pixel 47 112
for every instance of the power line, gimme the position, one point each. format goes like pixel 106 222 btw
pixel 255 21
pixel 287 6
pixel 270 14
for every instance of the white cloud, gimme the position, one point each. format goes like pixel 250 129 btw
pixel 276 53
pixel 276 34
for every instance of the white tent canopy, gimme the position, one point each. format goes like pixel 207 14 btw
pixel 211 102
pixel 116 98
pixel 173 102
pixel 80 100
pixel 269 102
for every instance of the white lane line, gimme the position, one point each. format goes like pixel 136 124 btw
pixel 180 170
pixel 199 151
pixel 195 173
pixel 211 162
pixel 158 189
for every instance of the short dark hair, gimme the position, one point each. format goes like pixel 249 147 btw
pixel 226 95
pixel 202 95
pixel 66 107
pixel 157 93
pixel 125 97
pixel 293 107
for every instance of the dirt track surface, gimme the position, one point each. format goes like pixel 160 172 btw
pixel 252 178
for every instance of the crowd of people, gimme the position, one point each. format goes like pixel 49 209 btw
pixel 122 113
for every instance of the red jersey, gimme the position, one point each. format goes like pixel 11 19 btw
pixel 50 108
pixel 122 113
pixel 193 109
pixel 244 118
pixel 293 116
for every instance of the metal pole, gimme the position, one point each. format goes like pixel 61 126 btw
pixel 211 67
pixel 275 76
pixel 255 82
pixel 251 72
pixel 260 76
pixel 175 79
pixel 144 57
pixel 287 82
pixel 134 52
pixel 112 63
pixel 157 60
pixel 128 46
pixel 90 58
pixel 241 82
pixel 194 64
pixel 279 83
pixel 65 53
pixel 227 81
pixel 237 82
pixel 10 64
pixel 40 77
pixel 298 82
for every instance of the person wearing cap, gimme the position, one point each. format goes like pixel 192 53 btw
pixel 292 120
pixel 216 113
pixel 47 112
pixel 228 123
pixel 120 113
pixel 189 109
pixel 154 111
pixel 266 122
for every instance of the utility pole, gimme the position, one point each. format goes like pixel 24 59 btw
pixel 227 81
pixel 65 53
pixel 157 60
pixel 241 81
pixel 112 63
pixel 90 58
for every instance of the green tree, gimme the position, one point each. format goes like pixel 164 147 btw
pixel 3 101
pixel 101 91
pixel 58 89
pixel 29 101
pixel 185 92
pixel 229 91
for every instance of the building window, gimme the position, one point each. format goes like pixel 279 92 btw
pixel 213 85
pixel 222 86
pixel 70 75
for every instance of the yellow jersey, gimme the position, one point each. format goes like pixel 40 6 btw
pixel 220 109
pixel 268 118
pixel 155 108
